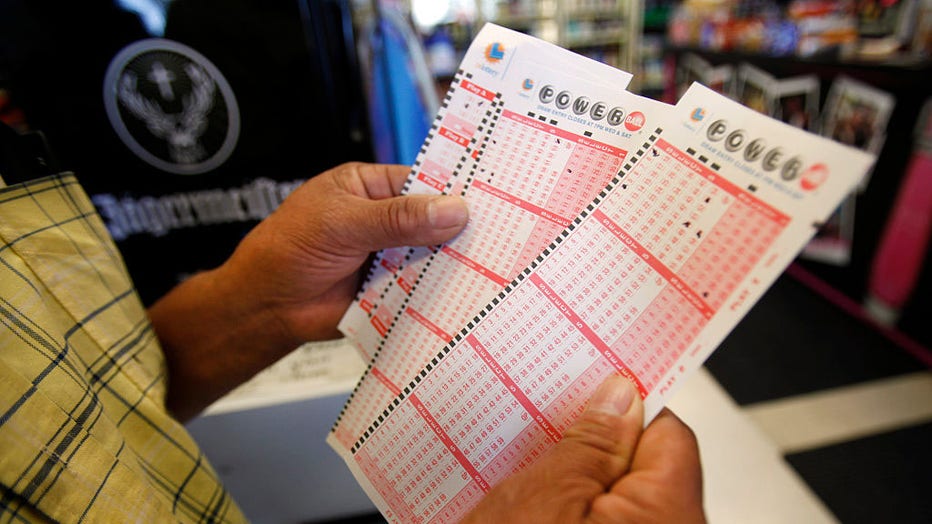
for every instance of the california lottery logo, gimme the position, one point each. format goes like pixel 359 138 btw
pixel 495 52
pixel 171 106
pixel 697 115
pixel 527 85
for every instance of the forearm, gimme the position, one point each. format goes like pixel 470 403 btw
pixel 215 337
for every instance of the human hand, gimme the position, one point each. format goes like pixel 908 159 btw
pixel 606 469
pixel 290 279
pixel 303 261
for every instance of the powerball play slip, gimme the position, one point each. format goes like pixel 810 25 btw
pixel 608 235
pixel 492 131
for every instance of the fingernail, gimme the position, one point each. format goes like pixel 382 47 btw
pixel 615 396
pixel 447 211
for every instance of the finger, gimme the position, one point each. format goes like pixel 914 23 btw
pixel 593 453
pixel 415 220
pixel 669 450
pixel 599 446
pixel 665 479
pixel 397 176
pixel 375 181
pixel 364 213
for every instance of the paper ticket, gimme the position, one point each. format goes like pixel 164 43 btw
pixel 692 225
pixel 527 165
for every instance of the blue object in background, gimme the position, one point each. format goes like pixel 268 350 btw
pixel 402 100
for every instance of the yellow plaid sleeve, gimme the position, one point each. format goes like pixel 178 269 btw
pixel 84 433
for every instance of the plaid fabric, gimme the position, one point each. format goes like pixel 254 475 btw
pixel 84 433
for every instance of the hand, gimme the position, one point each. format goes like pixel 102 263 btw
pixel 606 469
pixel 291 278
pixel 303 261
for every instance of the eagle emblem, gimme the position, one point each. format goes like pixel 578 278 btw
pixel 171 106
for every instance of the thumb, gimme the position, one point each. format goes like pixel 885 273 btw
pixel 593 454
pixel 416 220
pixel 598 448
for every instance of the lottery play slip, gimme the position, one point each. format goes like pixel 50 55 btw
pixel 608 234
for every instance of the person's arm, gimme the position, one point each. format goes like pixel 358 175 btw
pixel 290 280
pixel 606 470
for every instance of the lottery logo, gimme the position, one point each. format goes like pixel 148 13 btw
pixel 771 158
pixel 634 121
pixel 171 106
pixel 528 84
pixel 495 52
pixel 814 177
pixel 581 105
pixel 697 115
